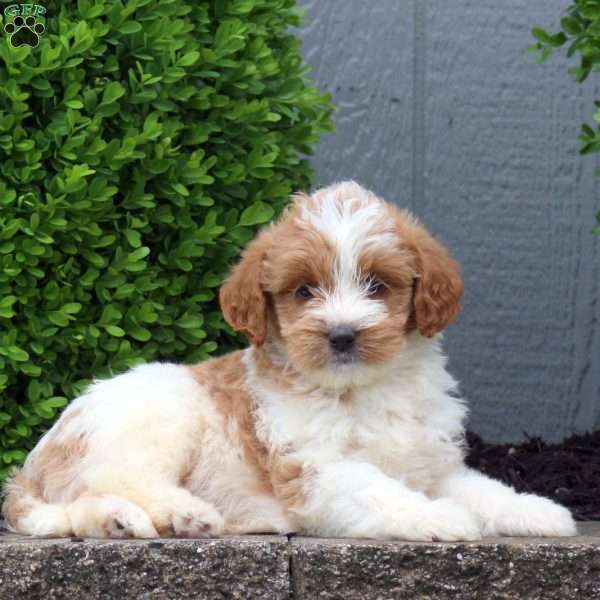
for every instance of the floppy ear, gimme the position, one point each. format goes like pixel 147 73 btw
pixel 242 297
pixel 438 286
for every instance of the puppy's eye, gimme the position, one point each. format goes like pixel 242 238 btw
pixel 304 293
pixel 375 287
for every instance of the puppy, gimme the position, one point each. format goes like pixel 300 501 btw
pixel 340 419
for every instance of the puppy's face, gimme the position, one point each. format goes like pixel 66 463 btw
pixel 338 283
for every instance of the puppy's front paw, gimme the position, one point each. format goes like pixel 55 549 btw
pixel 198 519
pixel 440 520
pixel 530 515
pixel 129 521
pixel 109 516
pixel 447 521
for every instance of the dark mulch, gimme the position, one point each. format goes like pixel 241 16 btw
pixel 568 472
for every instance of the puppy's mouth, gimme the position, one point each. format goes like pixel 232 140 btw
pixel 344 359
pixel 343 370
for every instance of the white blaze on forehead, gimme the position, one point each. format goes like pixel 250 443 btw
pixel 354 220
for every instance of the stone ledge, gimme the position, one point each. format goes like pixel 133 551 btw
pixel 495 568
pixel 273 567
pixel 236 568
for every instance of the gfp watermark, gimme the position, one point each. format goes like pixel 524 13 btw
pixel 24 27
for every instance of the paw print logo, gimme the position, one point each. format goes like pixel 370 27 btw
pixel 24 32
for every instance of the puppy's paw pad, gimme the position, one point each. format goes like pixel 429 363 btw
pixel 200 521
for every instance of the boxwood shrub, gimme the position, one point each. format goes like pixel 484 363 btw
pixel 141 144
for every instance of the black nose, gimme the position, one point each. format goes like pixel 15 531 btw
pixel 342 338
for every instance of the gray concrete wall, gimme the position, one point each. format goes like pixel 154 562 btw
pixel 441 109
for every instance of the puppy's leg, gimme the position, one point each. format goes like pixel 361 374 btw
pixel 257 514
pixel 355 499
pixel 172 509
pixel 109 516
pixel 502 510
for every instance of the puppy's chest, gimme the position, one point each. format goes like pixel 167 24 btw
pixel 405 443
pixel 397 443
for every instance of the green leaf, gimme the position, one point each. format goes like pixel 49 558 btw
pixel 570 25
pixel 180 189
pixel 110 316
pixel 540 35
pixel 133 237
pixel 56 402
pixel 6 309
pixel 138 254
pixel 7 301
pixel 71 308
pixel 139 333
pixel 58 318
pixel 17 354
pixel 112 93
pixel 115 331
pixel 188 59
pixel 257 213
pixel 130 27
pixel 190 321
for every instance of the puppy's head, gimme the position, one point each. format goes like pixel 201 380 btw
pixel 338 283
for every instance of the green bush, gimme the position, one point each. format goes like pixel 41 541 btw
pixel 141 143
pixel 580 28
